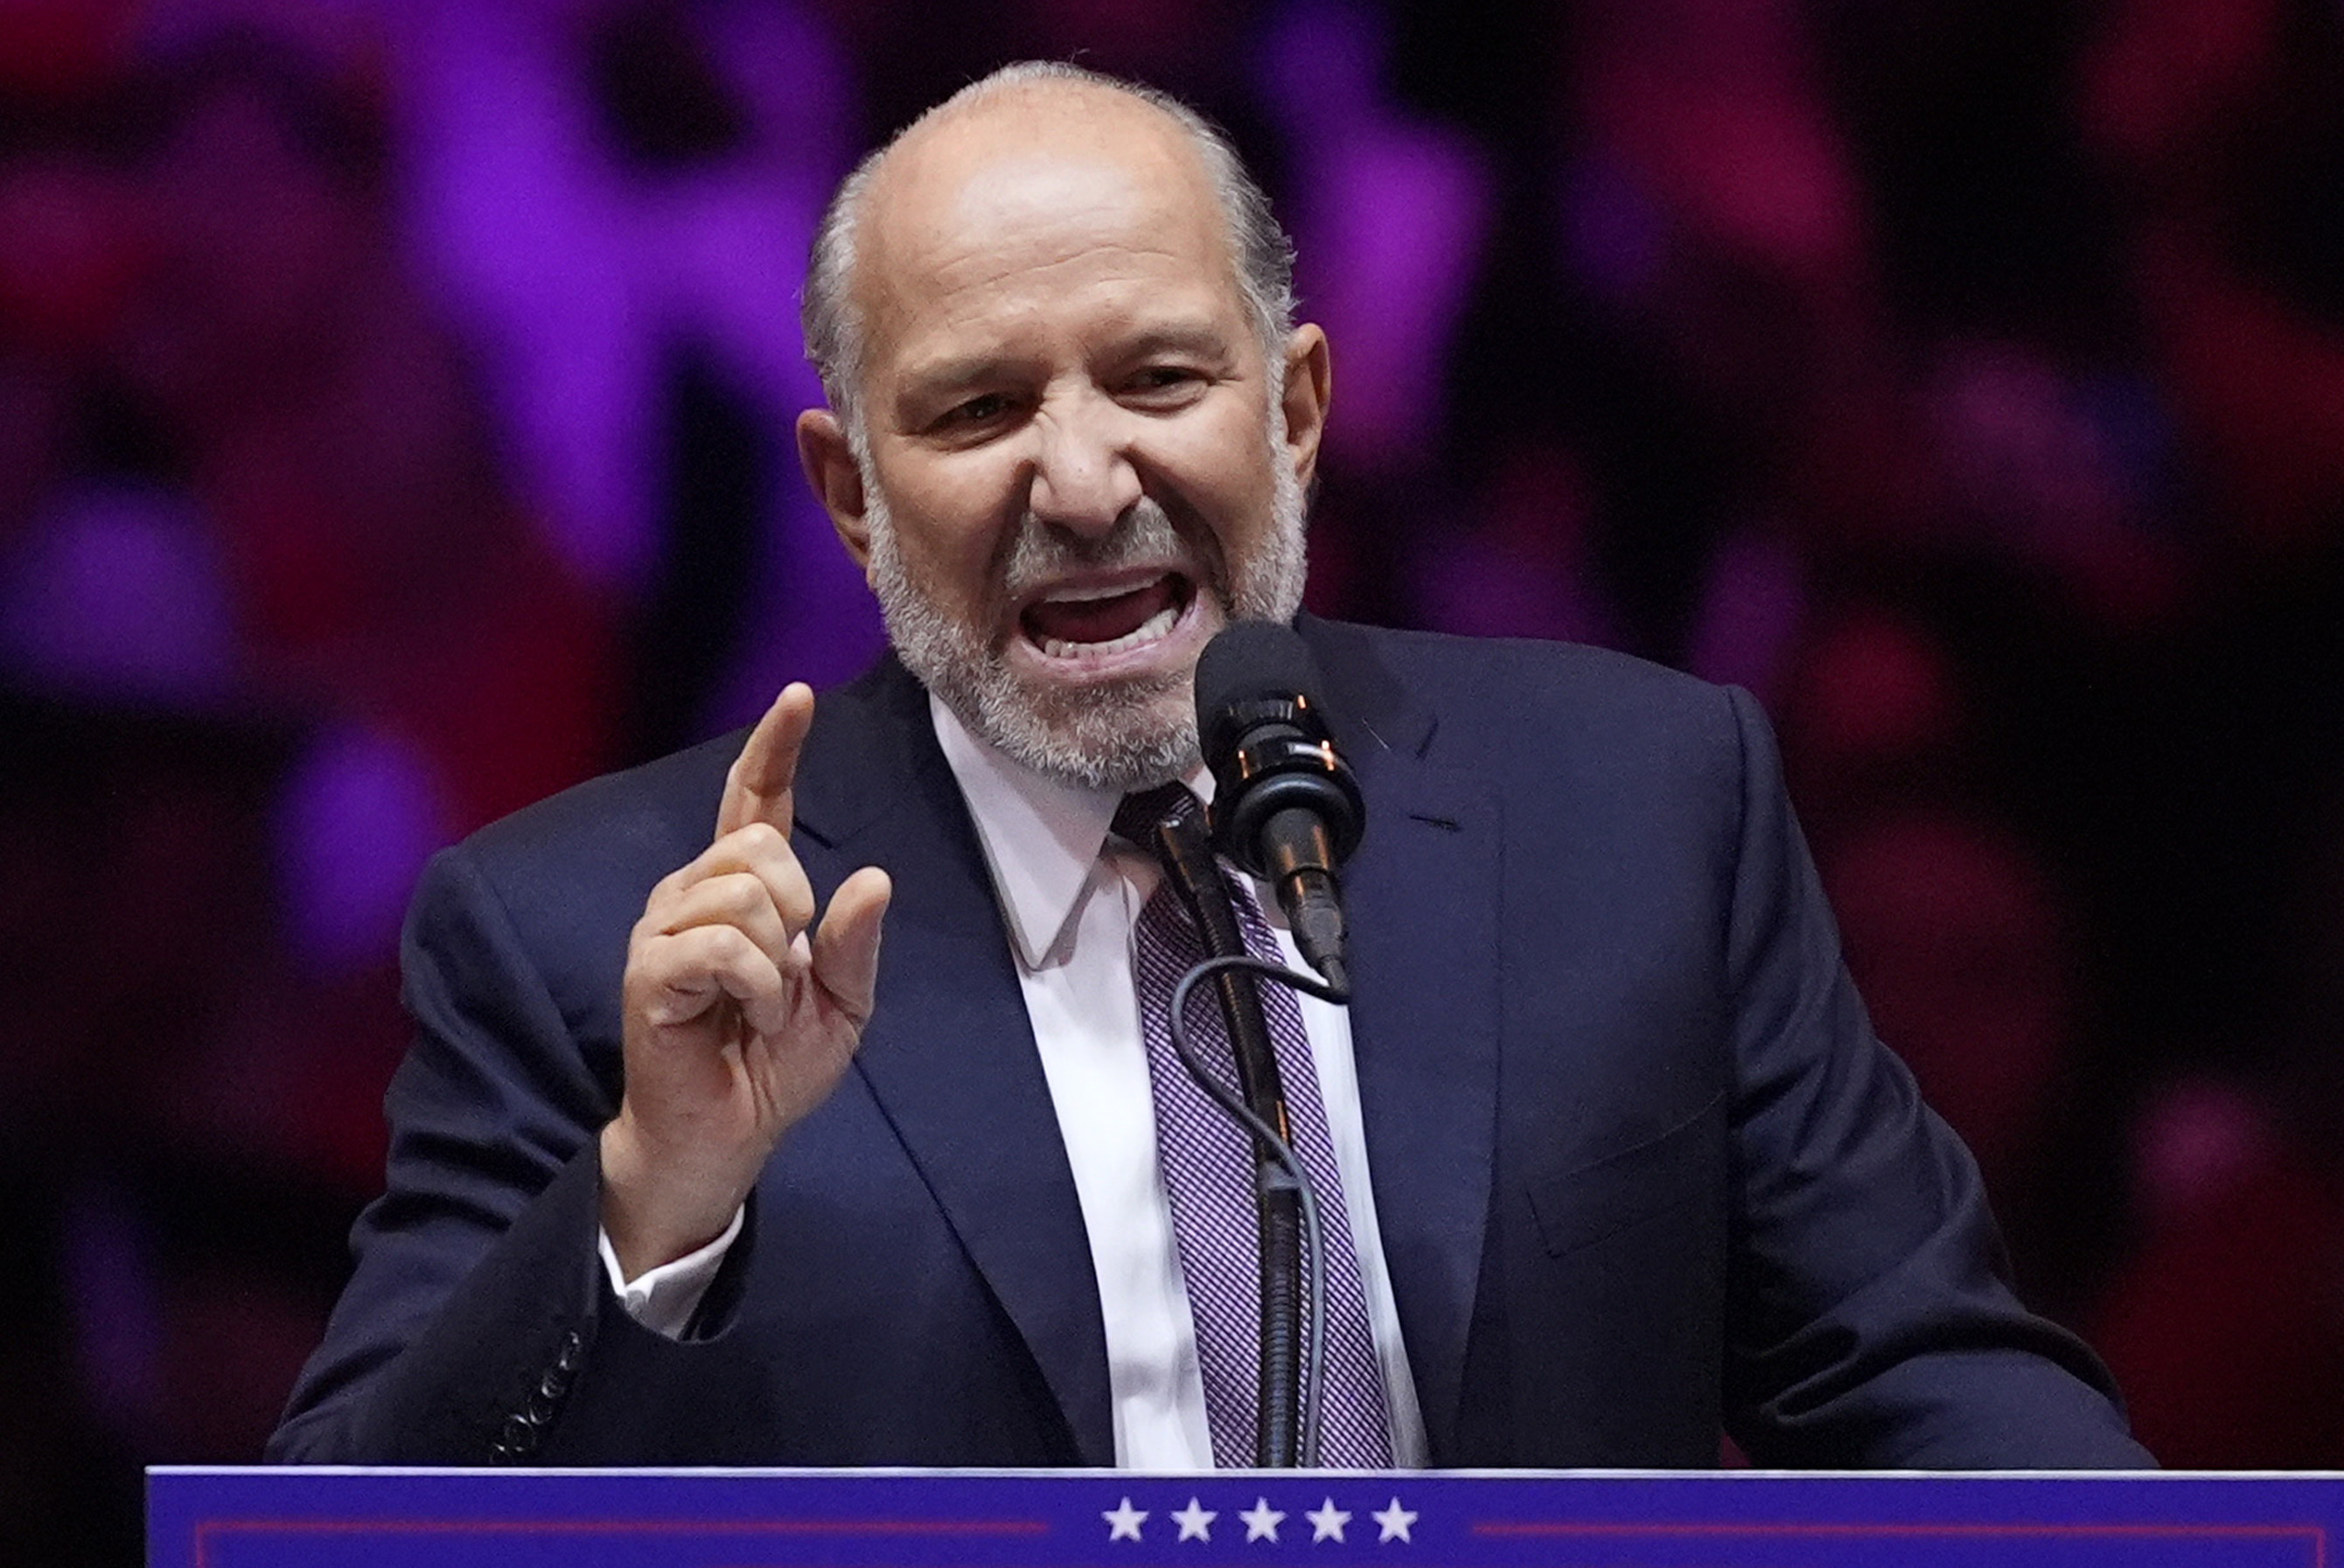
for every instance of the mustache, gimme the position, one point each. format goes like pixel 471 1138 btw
pixel 1143 536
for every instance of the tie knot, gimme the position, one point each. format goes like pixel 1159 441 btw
pixel 1144 816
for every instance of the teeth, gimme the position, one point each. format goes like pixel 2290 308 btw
pixel 1156 625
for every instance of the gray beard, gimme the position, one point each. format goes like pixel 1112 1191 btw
pixel 1119 735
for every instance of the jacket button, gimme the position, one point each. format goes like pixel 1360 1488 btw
pixel 518 1440
pixel 566 1359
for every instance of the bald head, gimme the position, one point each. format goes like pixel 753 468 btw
pixel 1020 119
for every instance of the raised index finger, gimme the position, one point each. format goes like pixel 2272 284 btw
pixel 759 786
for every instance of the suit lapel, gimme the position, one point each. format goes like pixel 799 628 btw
pixel 1422 894
pixel 949 1055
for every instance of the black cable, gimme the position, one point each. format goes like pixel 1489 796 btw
pixel 1177 839
pixel 1314 1246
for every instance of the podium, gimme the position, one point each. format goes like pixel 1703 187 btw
pixel 295 1518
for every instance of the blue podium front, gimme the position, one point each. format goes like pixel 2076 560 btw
pixel 288 1518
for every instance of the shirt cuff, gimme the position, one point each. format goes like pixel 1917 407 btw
pixel 663 1300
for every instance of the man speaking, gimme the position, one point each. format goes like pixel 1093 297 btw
pixel 807 1099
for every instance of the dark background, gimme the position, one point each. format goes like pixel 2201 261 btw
pixel 394 410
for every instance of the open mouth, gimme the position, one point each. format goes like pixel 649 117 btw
pixel 1100 620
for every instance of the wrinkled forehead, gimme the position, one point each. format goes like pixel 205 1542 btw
pixel 1016 174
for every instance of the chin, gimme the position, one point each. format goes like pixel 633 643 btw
pixel 1121 735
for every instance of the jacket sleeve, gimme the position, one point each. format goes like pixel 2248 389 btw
pixel 478 1325
pixel 1870 1320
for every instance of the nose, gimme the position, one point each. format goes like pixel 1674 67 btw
pixel 1083 479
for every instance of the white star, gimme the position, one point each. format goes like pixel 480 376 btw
pixel 1394 1521
pixel 1196 1521
pixel 1326 1521
pixel 1123 1521
pixel 1261 1520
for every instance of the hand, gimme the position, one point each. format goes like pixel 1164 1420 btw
pixel 737 1022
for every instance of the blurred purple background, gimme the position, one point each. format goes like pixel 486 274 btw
pixel 394 410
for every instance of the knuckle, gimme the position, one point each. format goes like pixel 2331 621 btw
pixel 726 898
pixel 762 839
pixel 650 950
pixel 733 895
pixel 729 946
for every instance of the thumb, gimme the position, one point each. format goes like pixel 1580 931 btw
pixel 846 945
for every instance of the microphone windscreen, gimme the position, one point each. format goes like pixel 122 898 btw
pixel 1249 661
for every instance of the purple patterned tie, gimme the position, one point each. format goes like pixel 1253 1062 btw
pixel 1208 1167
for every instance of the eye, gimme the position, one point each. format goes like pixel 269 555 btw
pixel 1164 386
pixel 977 410
pixel 973 419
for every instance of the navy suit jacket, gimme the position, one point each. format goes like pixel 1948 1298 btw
pixel 1643 1170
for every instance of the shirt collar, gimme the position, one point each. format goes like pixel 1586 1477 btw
pixel 1042 837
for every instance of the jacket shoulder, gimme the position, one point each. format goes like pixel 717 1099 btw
pixel 1497 703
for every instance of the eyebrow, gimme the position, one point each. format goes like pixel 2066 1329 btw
pixel 1180 336
pixel 957 372
pixel 954 373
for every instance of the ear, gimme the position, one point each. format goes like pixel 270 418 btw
pixel 1308 382
pixel 837 483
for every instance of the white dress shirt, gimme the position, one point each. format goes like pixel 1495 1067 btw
pixel 1070 897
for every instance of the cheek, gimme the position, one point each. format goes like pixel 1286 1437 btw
pixel 948 532
pixel 1226 470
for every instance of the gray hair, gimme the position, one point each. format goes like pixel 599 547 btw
pixel 1264 256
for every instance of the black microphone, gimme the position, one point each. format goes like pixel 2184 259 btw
pixel 1285 805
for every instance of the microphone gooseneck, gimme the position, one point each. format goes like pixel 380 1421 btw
pixel 1286 807
pixel 1167 822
